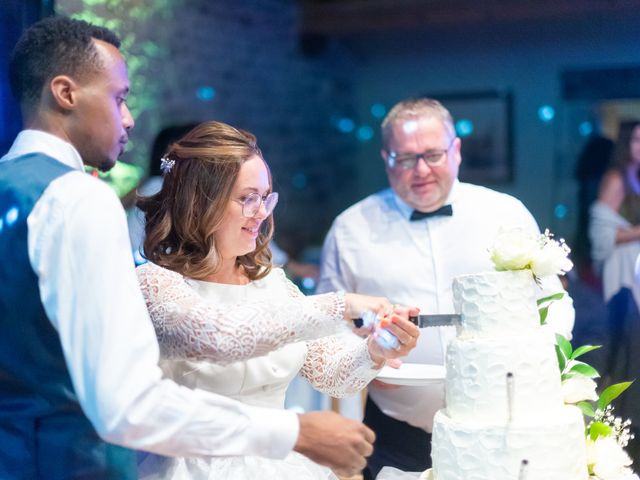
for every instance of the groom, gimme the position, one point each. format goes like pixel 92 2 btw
pixel 78 354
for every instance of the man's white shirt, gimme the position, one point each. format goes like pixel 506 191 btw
pixel 373 248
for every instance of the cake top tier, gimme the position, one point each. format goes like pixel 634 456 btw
pixel 496 303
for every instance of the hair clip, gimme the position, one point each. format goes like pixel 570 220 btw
pixel 166 164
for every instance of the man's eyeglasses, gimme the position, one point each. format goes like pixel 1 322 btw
pixel 408 161
pixel 252 202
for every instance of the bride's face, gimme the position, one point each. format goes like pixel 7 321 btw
pixel 237 234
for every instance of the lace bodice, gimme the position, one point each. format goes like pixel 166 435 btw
pixel 189 326
pixel 195 321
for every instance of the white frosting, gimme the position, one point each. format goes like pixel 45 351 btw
pixel 496 303
pixel 490 425
pixel 476 382
pixel 554 449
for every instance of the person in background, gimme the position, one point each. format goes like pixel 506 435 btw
pixel 79 375
pixel 410 241
pixel 593 161
pixel 207 241
pixel 615 240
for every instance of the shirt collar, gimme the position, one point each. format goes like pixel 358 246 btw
pixel 37 141
pixel 406 210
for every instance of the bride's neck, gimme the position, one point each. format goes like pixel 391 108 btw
pixel 230 272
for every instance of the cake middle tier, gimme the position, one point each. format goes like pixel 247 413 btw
pixel 478 384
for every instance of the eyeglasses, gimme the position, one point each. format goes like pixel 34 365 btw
pixel 252 202
pixel 408 161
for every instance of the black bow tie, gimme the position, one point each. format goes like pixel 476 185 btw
pixel 444 210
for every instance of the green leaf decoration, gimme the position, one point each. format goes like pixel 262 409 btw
pixel 544 311
pixel 584 369
pixel 565 346
pixel 587 408
pixel 562 362
pixel 599 429
pixel 550 298
pixel 583 349
pixel 611 393
pixel 566 376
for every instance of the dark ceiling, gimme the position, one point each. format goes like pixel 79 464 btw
pixel 339 17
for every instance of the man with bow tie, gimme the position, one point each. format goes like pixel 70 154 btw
pixel 408 242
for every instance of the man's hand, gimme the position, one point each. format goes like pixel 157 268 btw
pixel 337 442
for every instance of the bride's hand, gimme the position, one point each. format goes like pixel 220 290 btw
pixel 356 305
pixel 399 325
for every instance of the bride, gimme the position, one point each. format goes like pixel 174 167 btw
pixel 207 235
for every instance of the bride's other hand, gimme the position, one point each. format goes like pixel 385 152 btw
pixel 398 324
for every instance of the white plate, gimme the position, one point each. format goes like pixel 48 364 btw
pixel 412 374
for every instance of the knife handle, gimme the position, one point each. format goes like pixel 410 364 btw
pixel 414 319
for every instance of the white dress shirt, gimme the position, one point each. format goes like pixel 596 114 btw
pixel 79 249
pixel 373 248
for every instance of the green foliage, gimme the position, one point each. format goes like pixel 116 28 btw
pixel 587 408
pixel 611 393
pixel 564 345
pixel 584 369
pixel 599 429
pixel 551 298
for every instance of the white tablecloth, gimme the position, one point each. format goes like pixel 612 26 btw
pixel 389 473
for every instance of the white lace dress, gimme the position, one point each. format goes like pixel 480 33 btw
pixel 251 354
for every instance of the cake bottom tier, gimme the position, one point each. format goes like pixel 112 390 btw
pixel 554 448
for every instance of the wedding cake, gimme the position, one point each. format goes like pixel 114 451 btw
pixel 505 418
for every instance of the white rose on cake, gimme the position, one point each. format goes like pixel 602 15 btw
pixel 607 460
pixel 578 388
pixel 513 249
pixel 551 257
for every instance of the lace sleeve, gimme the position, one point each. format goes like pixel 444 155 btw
pixel 339 365
pixel 187 326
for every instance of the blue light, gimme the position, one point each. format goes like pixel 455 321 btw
pixel 378 110
pixel 560 211
pixel 205 93
pixel 299 180
pixel 546 113
pixel 11 216
pixel 364 133
pixel 308 283
pixel 464 127
pixel 585 128
pixel 346 125
pixel 1 225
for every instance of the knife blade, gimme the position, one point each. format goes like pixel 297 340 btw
pixel 422 321
pixel 436 320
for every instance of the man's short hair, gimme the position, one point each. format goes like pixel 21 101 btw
pixel 413 108
pixel 54 46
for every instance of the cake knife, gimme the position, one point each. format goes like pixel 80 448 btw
pixel 436 320
pixel 423 321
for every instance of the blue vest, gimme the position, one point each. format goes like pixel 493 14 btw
pixel 43 431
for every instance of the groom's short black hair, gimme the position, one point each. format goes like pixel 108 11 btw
pixel 54 46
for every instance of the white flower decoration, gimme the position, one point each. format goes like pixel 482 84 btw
pixel 516 249
pixel 513 249
pixel 551 257
pixel 607 460
pixel 578 388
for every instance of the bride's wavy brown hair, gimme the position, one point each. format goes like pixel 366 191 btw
pixel 181 219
